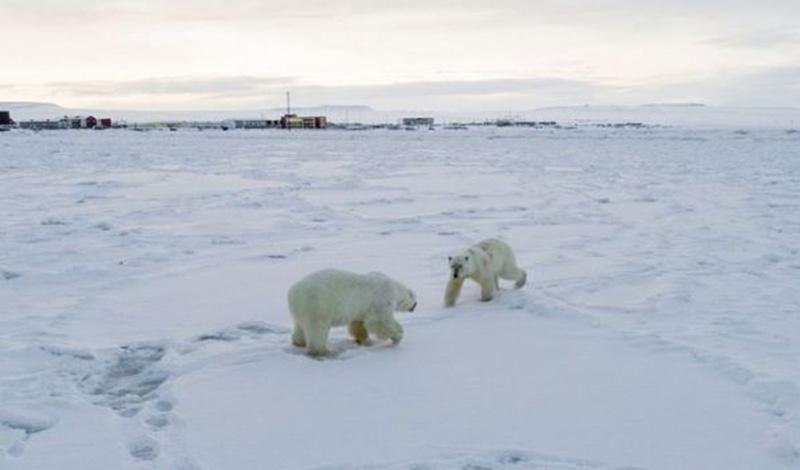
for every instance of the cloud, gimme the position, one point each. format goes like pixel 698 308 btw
pixel 481 51
pixel 759 39
pixel 154 87
pixel 405 13
pixel 495 94
pixel 468 87
pixel 247 92
pixel 266 11
pixel 765 86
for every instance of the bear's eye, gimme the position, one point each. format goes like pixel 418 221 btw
pixel 466 258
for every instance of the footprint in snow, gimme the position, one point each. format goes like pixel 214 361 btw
pixel 157 421
pixel 251 329
pixel 128 380
pixel 143 448
pixel 164 405
pixel 21 426
pixel 9 275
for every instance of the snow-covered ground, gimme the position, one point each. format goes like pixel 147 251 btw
pixel 144 323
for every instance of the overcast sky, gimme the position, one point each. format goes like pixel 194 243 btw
pixel 426 54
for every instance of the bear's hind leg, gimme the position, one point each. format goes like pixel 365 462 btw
pixel 298 336
pixel 513 273
pixel 386 327
pixel 521 281
pixel 359 332
pixel 316 338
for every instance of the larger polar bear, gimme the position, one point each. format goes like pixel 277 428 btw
pixel 484 263
pixel 364 302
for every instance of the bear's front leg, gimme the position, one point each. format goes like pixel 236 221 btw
pixel 316 332
pixel 452 291
pixel 395 330
pixel 386 327
pixel 298 336
pixel 487 290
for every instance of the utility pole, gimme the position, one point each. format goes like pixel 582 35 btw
pixel 288 112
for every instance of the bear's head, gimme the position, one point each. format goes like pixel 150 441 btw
pixel 406 300
pixel 463 265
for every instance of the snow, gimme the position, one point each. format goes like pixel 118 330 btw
pixel 143 280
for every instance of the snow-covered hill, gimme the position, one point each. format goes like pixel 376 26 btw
pixel 144 324
pixel 24 110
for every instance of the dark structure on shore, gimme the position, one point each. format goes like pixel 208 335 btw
pixel 417 121
pixel 75 122
pixel 293 121
pixel 5 118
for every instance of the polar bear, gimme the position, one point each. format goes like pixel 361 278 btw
pixel 364 302
pixel 484 263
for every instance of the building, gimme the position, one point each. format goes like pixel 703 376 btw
pixel 315 122
pixel 45 125
pixel 293 121
pixel 417 121
pixel 255 123
pixel 5 121
pixel 81 122
pixel 67 122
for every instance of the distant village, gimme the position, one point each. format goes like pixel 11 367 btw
pixel 286 122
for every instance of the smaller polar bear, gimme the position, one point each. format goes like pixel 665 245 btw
pixel 485 263
pixel 364 302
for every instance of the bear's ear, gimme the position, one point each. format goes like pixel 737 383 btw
pixel 449 258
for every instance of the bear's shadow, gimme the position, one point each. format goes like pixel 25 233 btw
pixel 343 349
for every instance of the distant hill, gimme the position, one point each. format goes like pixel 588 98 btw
pixel 670 114
pixel 23 110
pixel 326 108
pixel 674 105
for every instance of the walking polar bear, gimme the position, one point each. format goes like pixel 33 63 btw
pixel 484 263
pixel 364 302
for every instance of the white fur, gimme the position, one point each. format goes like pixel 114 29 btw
pixel 485 263
pixel 364 302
